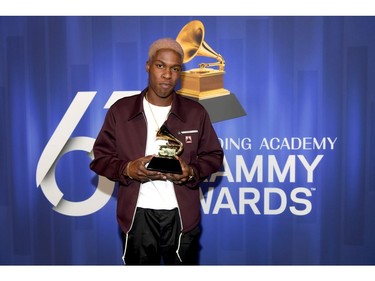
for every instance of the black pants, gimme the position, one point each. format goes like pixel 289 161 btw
pixel 156 238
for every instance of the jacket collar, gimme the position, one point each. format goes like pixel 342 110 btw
pixel 138 105
pixel 177 108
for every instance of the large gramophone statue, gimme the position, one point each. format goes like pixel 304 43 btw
pixel 166 160
pixel 203 82
pixel 206 84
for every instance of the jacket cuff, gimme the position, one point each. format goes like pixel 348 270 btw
pixel 124 179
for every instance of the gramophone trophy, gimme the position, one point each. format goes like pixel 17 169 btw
pixel 166 161
pixel 202 82
pixel 206 84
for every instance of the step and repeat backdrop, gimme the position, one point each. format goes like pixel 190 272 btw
pixel 297 184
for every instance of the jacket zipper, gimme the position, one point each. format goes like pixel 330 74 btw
pixel 134 212
pixel 181 230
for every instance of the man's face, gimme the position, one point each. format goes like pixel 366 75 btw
pixel 164 70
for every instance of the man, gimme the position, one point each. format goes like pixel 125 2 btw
pixel 158 213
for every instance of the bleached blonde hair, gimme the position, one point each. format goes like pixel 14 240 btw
pixel 165 43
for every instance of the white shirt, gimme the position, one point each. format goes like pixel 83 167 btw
pixel 156 194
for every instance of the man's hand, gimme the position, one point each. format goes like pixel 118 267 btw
pixel 136 170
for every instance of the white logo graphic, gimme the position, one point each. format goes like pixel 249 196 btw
pixel 61 143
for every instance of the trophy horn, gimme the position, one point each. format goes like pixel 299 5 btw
pixel 165 134
pixel 191 39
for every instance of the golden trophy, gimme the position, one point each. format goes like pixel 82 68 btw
pixel 206 84
pixel 202 82
pixel 166 161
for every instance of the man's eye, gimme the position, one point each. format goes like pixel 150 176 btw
pixel 176 69
pixel 159 65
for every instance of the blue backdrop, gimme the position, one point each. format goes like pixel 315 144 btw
pixel 297 186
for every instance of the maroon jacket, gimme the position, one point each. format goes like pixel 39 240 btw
pixel 122 138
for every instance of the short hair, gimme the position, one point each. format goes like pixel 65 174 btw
pixel 165 43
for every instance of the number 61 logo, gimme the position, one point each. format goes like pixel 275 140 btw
pixel 61 143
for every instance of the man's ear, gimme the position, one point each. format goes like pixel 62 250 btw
pixel 147 66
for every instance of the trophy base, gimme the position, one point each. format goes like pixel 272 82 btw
pixel 165 165
pixel 222 108
pixel 203 95
pixel 207 87
pixel 202 83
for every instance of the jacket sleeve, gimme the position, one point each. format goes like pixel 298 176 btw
pixel 106 161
